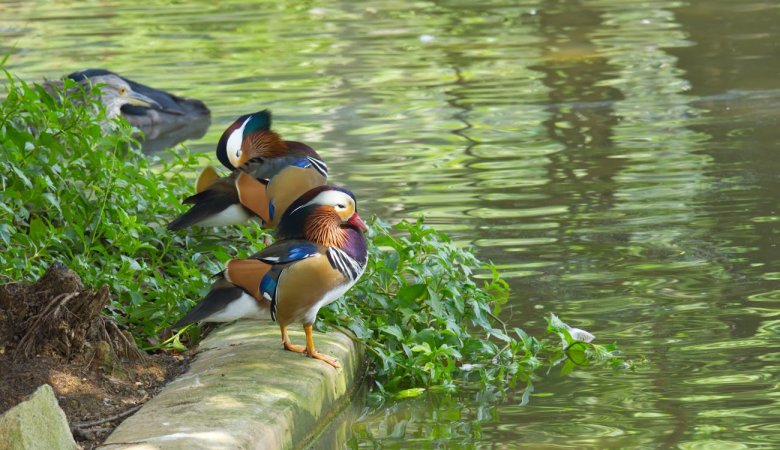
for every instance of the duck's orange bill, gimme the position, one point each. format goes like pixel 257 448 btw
pixel 358 222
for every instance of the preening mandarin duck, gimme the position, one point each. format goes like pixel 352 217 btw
pixel 268 175
pixel 319 254
pixel 250 136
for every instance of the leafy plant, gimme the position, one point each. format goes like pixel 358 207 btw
pixel 429 325
pixel 76 189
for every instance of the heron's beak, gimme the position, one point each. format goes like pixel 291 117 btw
pixel 137 99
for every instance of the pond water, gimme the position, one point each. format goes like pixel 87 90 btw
pixel 617 159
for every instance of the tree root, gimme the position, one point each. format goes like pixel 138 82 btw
pixel 57 315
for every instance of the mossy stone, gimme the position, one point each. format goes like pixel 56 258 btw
pixel 38 423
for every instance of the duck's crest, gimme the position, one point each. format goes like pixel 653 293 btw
pixel 259 121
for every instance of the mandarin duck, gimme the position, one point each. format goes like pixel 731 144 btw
pixel 268 175
pixel 319 254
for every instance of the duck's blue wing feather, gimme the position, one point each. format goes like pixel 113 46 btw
pixel 279 256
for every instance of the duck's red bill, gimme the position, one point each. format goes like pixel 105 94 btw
pixel 358 222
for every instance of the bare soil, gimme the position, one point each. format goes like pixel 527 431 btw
pixel 52 331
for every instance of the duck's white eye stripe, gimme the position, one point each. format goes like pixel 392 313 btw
pixel 234 142
pixel 334 198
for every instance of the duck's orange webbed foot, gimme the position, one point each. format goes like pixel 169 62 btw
pixel 288 345
pixel 313 353
pixel 330 360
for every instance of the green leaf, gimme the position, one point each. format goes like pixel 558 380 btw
pixel 25 181
pixel 5 233
pixel 529 389
pixel 576 353
pixel 53 201
pixel 37 230
pixel 410 393
pixel 423 348
pixel 393 330
pixel 568 366
pixel 409 293
pixel 477 348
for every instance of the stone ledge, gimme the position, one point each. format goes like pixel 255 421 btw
pixel 244 391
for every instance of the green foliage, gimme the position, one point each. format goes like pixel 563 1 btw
pixel 76 189
pixel 429 325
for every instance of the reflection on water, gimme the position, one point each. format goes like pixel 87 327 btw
pixel 157 139
pixel 616 159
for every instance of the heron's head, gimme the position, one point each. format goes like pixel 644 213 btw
pixel 116 92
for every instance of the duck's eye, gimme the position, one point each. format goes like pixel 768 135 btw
pixel 340 206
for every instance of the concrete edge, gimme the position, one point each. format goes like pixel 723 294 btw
pixel 244 391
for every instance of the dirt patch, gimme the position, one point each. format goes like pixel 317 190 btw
pixel 53 332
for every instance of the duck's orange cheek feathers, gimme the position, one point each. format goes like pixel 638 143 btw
pixel 323 227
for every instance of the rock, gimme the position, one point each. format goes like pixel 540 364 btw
pixel 36 424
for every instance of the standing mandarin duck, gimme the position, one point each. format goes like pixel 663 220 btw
pixel 268 175
pixel 319 254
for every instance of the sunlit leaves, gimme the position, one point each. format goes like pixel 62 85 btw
pixel 76 189
pixel 81 193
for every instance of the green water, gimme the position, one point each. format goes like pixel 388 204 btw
pixel 618 160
